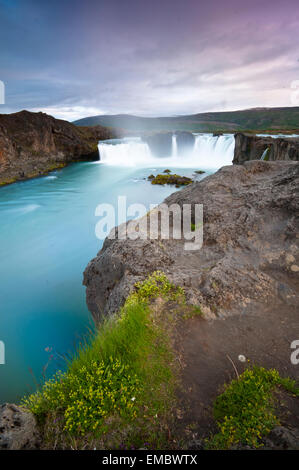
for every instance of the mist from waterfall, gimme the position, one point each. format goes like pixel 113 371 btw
pixel 208 152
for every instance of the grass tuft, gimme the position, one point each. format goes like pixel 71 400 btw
pixel 245 411
pixel 122 382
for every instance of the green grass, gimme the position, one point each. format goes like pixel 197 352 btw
pixel 125 375
pixel 195 226
pixel 8 181
pixel 245 411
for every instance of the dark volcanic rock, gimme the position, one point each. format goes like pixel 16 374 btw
pixel 18 429
pixel 185 142
pixel 282 438
pixel 32 144
pixel 252 147
pixel 250 253
pixel 160 144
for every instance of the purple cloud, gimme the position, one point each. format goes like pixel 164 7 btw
pixel 74 58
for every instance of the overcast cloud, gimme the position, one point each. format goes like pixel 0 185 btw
pixel 161 57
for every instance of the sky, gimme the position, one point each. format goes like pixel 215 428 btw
pixel 75 58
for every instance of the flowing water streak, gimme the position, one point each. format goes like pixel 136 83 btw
pixel 264 154
pixel 174 146
pixel 209 152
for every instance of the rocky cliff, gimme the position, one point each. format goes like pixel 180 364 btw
pixel 31 144
pixel 252 147
pixel 249 257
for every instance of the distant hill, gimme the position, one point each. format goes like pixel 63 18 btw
pixel 257 119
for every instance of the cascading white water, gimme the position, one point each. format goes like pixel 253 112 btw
pixel 125 152
pixel 264 154
pixel 214 151
pixel 209 152
pixel 174 146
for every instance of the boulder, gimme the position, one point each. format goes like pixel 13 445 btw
pixel 282 438
pixel 18 429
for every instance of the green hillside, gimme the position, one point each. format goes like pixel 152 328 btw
pixel 258 119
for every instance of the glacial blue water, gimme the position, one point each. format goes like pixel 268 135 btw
pixel 47 237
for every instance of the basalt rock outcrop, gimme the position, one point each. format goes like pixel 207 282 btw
pixel 253 147
pixel 31 144
pixel 249 256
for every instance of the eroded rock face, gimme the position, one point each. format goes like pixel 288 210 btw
pixel 18 429
pixel 251 147
pixel 35 143
pixel 249 256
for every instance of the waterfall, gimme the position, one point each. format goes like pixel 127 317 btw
pixel 214 151
pixel 263 157
pixel 125 152
pixel 174 146
pixel 209 152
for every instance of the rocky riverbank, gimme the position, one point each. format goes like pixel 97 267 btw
pixel 32 144
pixel 250 251
pixel 244 281
pixel 244 278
